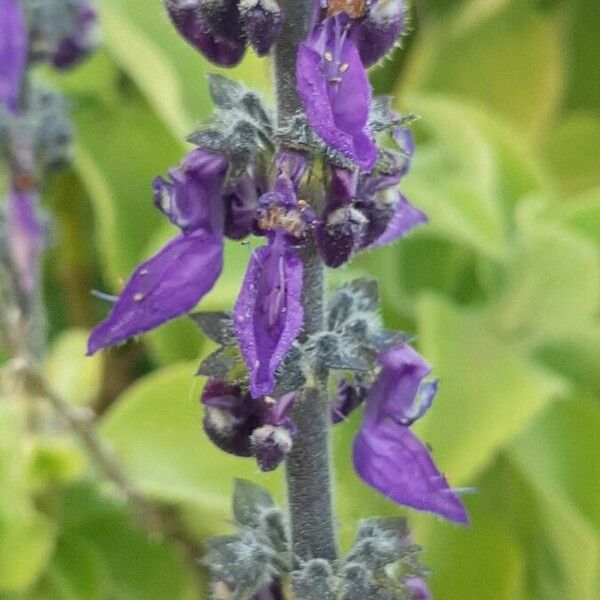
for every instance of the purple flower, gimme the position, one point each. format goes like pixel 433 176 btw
pixel 13 52
pixel 246 426
pixel 174 280
pixel 405 217
pixel 261 23
pixel 26 237
pixel 349 397
pixel 418 587
pixel 268 314
pixel 377 33
pixel 82 39
pixel 335 89
pixel 241 206
pixel 387 455
pixel 219 39
pixel 192 199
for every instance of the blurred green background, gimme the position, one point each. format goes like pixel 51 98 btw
pixel 501 291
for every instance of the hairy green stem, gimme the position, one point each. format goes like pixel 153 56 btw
pixel 308 467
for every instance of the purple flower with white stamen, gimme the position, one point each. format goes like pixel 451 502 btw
pixel 335 89
pixel 174 280
pixel 386 454
pixel 13 52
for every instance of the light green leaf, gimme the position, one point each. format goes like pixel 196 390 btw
pixel 156 428
pixel 73 376
pixel 475 59
pixel 572 152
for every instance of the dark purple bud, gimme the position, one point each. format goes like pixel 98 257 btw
pixel 219 39
pixel 341 227
pixel 261 23
pixel 192 198
pixel 26 237
pixel 82 40
pixel 381 28
pixel 270 592
pixel 418 588
pixel 230 417
pixel 13 52
pixel 246 426
pixel 241 205
pixel 270 446
pixel 378 214
pixel 350 396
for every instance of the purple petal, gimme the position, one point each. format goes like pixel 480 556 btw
pixel 13 52
pixel 26 237
pixel 390 458
pixel 262 25
pixel 169 284
pixel 335 91
pixel 376 35
pixel 406 217
pixel 192 199
pixel 418 588
pixel 268 314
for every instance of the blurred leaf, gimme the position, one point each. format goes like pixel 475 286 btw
pixel 72 375
pixel 475 58
pixel 454 178
pixel 156 428
pixel 171 74
pixel 489 389
pixel 553 284
pixel 572 152
pixel 117 165
pixel 26 535
pixel 581 213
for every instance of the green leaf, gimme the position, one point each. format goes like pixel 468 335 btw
pixel 156 429
pixel 73 376
pixel 117 166
pixel 489 389
pixel 475 58
pixel 172 74
pixel 552 283
pixel 572 152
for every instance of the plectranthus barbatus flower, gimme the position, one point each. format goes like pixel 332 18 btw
pixel 245 426
pixel 175 279
pixel 222 29
pixel 386 454
pixel 13 52
pixel 334 87
pixel 268 314
pixel 418 588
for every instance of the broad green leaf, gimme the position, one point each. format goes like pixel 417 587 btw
pixel 475 59
pixel 489 389
pixel 552 283
pixel 156 429
pixel 572 152
pixel 581 213
pixel 73 376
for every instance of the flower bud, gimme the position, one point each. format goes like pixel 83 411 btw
pixel 82 39
pixel 376 35
pixel 270 446
pixel 261 22
pixel 219 39
pixel 340 234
